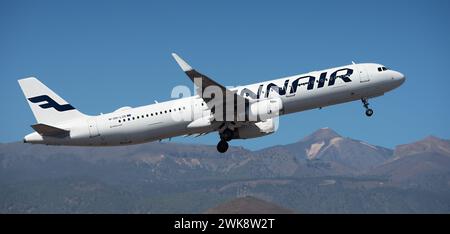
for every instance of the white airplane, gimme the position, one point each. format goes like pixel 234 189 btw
pixel 238 113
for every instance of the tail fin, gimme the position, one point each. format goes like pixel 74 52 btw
pixel 47 106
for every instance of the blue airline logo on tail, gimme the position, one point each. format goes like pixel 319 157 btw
pixel 50 103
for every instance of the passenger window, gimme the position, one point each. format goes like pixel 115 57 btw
pixel 147 115
pixel 137 117
pixel 120 121
pixel 156 113
pixel 128 119
pixel 133 118
pixel 165 111
pixel 179 108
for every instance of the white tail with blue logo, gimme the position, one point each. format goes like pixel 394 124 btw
pixel 47 106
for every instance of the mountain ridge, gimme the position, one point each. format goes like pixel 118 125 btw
pixel 321 172
pixel 428 144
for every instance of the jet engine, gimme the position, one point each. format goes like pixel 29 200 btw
pixel 265 109
pixel 255 130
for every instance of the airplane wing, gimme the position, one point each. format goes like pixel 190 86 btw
pixel 196 76
pixel 202 82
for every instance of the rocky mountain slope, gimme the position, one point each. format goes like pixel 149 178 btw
pixel 248 205
pixel 321 173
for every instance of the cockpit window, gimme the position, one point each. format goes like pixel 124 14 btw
pixel 382 69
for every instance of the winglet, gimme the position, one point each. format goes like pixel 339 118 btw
pixel 184 66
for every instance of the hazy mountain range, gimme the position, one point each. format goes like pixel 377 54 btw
pixel 321 173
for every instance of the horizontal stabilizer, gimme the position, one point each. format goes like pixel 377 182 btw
pixel 50 131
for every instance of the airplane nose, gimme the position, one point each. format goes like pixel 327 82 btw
pixel 398 78
pixel 401 78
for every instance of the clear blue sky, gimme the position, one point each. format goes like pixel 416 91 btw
pixel 101 55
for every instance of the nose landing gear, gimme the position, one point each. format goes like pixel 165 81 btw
pixel 369 112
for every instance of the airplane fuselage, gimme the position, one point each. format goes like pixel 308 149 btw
pixel 173 118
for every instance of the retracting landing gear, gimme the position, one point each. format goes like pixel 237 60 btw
pixel 222 146
pixel 369 112
pixel 225 136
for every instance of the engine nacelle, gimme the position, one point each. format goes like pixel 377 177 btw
pixel 258 129
pixel 265 109
pixel 205 121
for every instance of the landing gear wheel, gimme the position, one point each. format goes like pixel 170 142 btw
pixel 222 146
pixel 369 112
